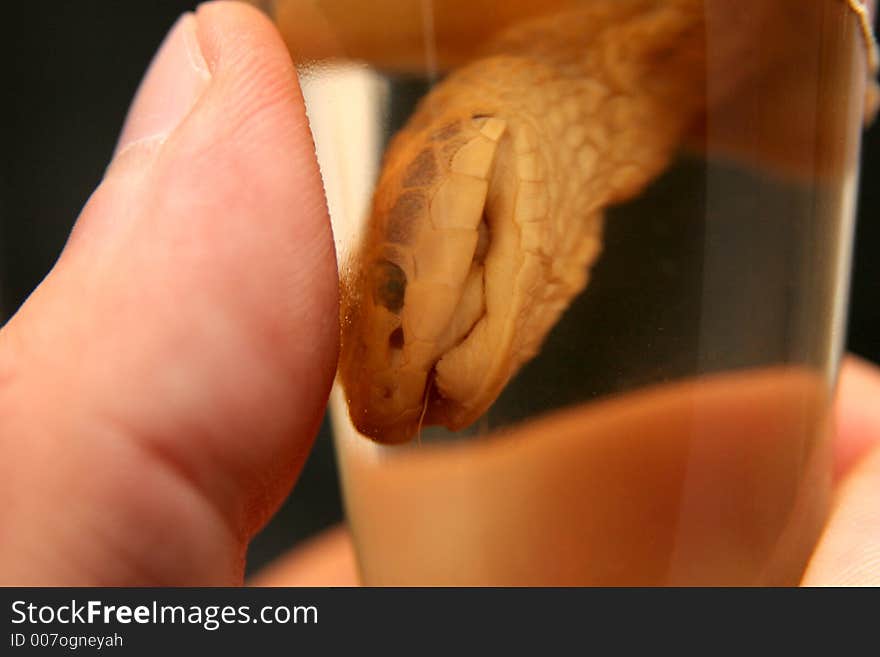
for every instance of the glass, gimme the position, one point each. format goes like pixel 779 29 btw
pixel 672 426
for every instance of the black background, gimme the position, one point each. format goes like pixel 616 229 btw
pixel 70 75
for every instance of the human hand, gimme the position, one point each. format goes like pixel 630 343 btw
pixel 167 378
pixel 848 553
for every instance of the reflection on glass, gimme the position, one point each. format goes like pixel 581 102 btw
pixel 593 288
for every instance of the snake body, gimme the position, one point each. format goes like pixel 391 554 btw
pixel 488 212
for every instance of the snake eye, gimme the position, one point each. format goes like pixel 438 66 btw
pixel 389 285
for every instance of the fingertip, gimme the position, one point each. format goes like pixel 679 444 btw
pixel 849 552
pixel 247 57
pixel 857 413
pixel 218 20
pixel 327 559
pixel 192 320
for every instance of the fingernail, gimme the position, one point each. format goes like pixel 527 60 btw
pixel 176 78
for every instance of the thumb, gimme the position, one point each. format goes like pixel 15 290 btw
pixel 161 388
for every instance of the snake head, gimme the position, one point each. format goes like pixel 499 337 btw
pixel 415 290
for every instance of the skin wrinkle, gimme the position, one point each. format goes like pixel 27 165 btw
pixel 211 559
pixel 186 471
pixel 153 496
pixel 133 158
pixel 93 424
pixel 128 558
pixel 195 56
pixel 211 459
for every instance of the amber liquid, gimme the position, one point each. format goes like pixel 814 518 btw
pixel 674 429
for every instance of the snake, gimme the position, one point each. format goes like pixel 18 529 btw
pixel 488 214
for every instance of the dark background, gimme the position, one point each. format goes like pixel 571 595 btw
pixel 71 72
